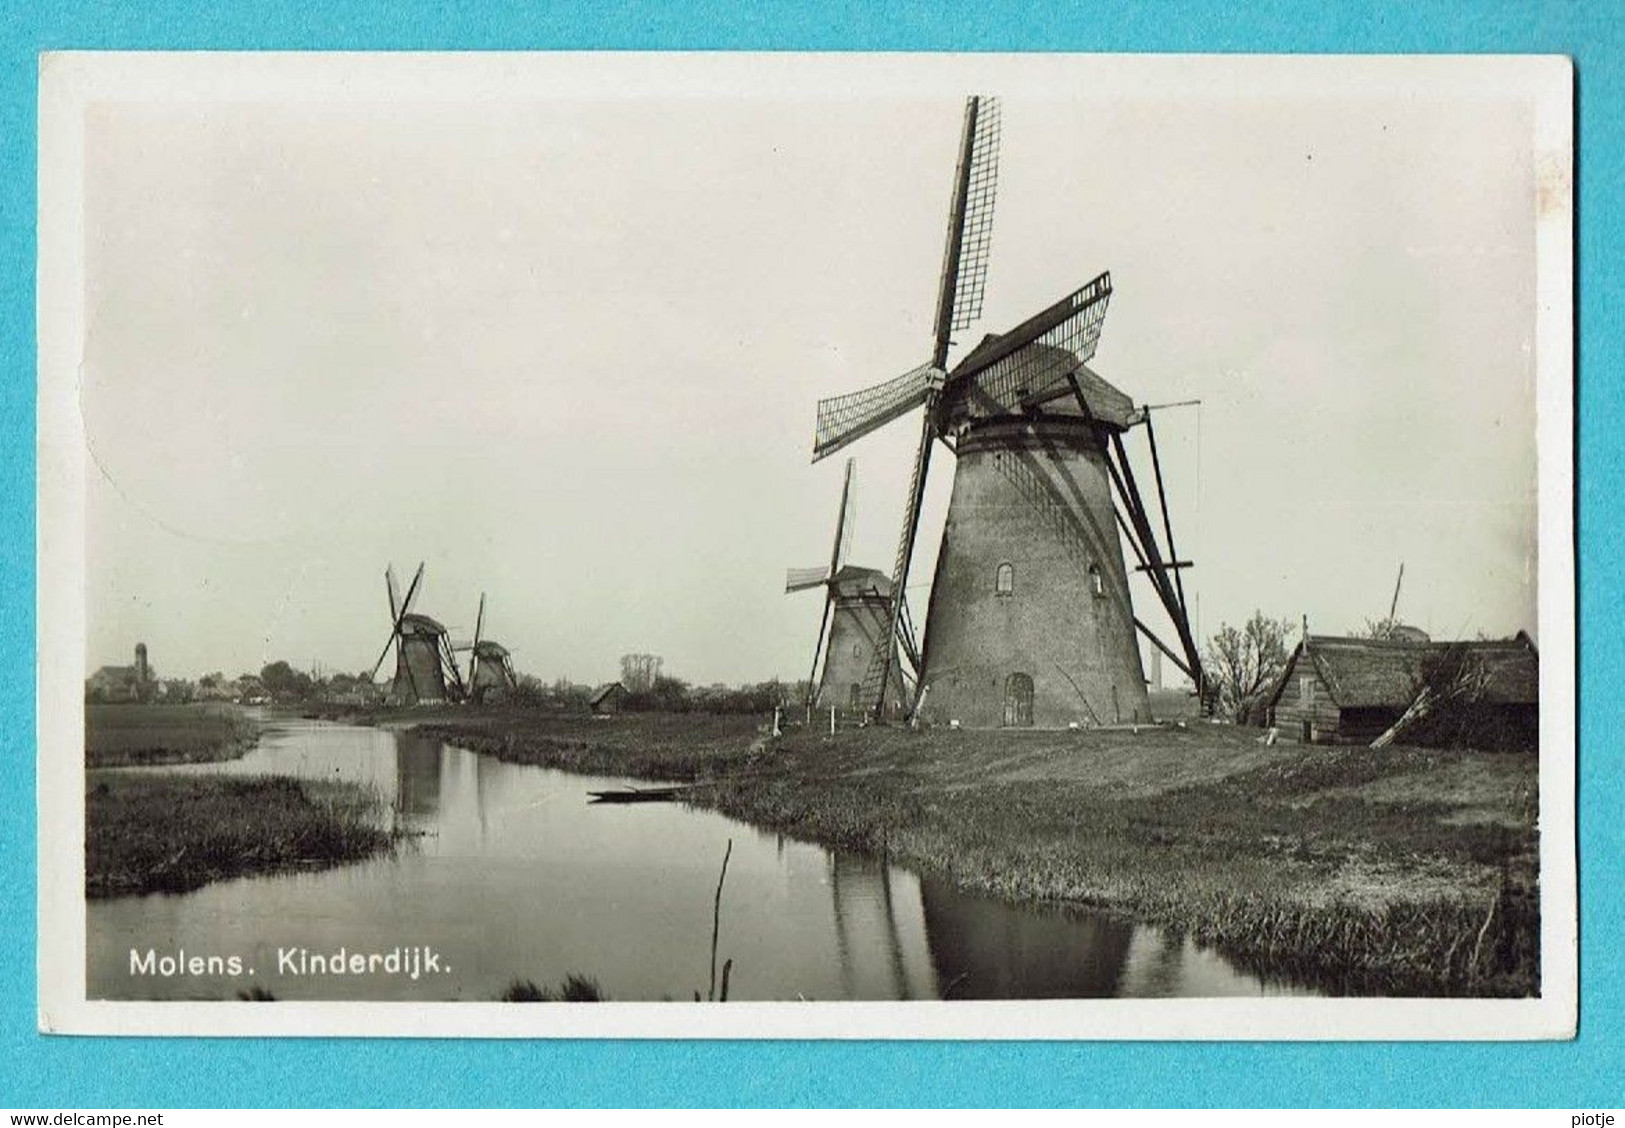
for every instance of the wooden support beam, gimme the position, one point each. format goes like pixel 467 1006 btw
pixel 1162 502
pixel 1130 500
pixel 1162 646
pixel 818 647
pixel 1146 547
pixel 1144 542
pixel 1176 611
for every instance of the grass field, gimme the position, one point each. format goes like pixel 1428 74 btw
pixel 148 832
pixel 136 735
pixel 1404 871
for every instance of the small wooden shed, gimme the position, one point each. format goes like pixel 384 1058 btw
pixel 607 698
pixel 1351 690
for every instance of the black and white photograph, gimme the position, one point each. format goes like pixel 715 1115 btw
pixel 807 545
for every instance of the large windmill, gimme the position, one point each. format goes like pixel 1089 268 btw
pixel 1030 620
pixel 857 617
pixel 490 670
pixel 425 667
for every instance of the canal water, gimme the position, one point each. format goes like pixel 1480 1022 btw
pixel 513 874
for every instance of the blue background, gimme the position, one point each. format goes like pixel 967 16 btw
pixel 89 1072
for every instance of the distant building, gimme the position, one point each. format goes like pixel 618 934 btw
pixel 607 698
pixel 1352 690
pixel 122 683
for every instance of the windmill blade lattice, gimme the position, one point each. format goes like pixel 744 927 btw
pixel 1032 362
pixel 394 594
pixel 847 418
pixel 845 519
pixel 800 579
pixel 976 239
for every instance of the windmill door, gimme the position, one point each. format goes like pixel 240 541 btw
pixel 1018 701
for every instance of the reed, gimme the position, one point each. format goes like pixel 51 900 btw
pixel 142 735
pixel 574 989
pixel 169 833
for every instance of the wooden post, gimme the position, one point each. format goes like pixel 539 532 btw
pixel 832 720
pixel 919 703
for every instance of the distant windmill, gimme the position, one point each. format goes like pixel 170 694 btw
pixel 857 616
pixel 425 668
pixel 490 670
pixel 1030 620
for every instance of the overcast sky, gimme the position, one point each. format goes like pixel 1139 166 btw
pixel 567 353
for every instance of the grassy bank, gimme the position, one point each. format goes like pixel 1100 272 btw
pixel 138 735
pixel 1405 871
pixel 167 832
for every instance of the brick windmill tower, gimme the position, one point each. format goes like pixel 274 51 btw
pixel 857 617
pixel 1031 620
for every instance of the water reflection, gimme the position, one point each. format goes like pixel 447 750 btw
pixel 511 873
pixel 981 950
pixel 417 776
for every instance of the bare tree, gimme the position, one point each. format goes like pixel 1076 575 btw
pixel 639 672
pixel 1243 663
pixel 1384 628
pixel 1450 681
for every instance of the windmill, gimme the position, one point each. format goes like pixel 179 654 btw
pixel 489 668
pixel 425 667
pixel 1030 620
pixel 857 617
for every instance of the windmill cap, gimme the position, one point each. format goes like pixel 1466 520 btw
pixel 852 581
pixel 973 397
pixel 414 623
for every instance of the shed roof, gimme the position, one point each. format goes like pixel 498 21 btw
pixel 115 673
pixel 603 691
pixel 1362 673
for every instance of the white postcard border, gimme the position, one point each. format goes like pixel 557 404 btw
pixel 69 82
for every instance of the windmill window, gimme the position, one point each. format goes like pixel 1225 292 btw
pixel 1306 690
pixel 1004 582
pixel 1097 584
pixel 857 650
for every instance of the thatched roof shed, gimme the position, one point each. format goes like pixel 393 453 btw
pixel 1353 689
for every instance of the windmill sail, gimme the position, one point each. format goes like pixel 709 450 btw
pixel 400 613
pixel 978 169
pixel 800 579
pixel 847 521
pixel 964 303
pixel 474 647
pixel 847 418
